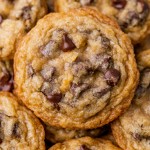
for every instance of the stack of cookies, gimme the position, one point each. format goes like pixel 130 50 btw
pixel 75 74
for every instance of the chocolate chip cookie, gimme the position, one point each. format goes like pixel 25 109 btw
pixel 85 143
pixel 19 127
pixel 133 16
pixel 56 135
pixel 132 129
pixel 6 76
pixel 76 70
pixel 16 18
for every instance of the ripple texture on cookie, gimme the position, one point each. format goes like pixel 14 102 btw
pixel 19 127
pixel 76 70
pixel 133 16
pixel 55 135
pixel 132 129
pixel 85 143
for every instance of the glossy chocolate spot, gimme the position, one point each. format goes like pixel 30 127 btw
pixel 48 72
pixel 84 147
pixel 86 2
pixel 112 76
pixel 1 19
pixel 26 12
pixel 119 4
pixel 54 98
pixel 78 89
pixel 15 130
pixel 67 44
pixel 99 92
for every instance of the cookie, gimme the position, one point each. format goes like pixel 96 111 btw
pixel 16 18
pixel 80 75
pixel 6 76
pixel 133 16
pixel 85 143
pixel 56 135
pixel 19 127
pixel 132 129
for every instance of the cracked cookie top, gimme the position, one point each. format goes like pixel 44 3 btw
pixel 19 127
pixel 132 130
pixel 133 16
pixel 76 75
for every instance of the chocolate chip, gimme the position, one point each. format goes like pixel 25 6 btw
pixel 26 12
pixel 82 68
pixel 102 62
pixel 105 42
pixel 86 2
pixel 49 49
pixel 1 19
pixel 30 71
pixel 112 76
pixel 78 89
pixel 139 137
pixel 99 92
pixel 84 147
pixel 67 44
pixel 48 72
pixel 54 98
pixel 119 4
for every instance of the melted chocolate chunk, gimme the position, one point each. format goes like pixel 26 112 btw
pixel 78 89
pixel 112 76
pixel 84 147
pixel 26 13
pixel 140 137
pixel 86 2
pixel 55 99
pixel 1 19
pixel 15 130
pixel 67 44
pixel 99 92
pixel 119 4
pixel 48 72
